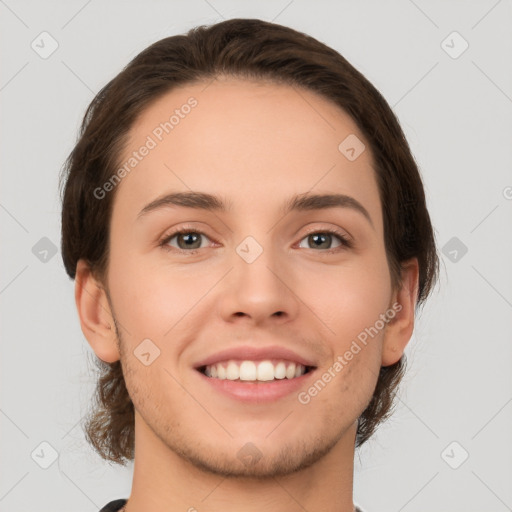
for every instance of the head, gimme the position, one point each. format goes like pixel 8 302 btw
pixel 260 111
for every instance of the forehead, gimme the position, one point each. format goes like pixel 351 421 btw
pixel 249 141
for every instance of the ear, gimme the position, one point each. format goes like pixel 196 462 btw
pixel 399 329
pixel 96 319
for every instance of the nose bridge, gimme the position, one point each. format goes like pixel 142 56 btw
pixel 258 284
pixel 256 263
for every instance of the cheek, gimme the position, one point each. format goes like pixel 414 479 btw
pixel 148 299
pixel 151 297
pixel 350 298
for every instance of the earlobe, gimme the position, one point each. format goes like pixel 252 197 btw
pixel 399 330
pixel 96 319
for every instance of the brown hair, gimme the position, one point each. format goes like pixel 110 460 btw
pixel 250 49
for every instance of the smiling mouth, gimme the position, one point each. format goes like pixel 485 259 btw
pixel 255 371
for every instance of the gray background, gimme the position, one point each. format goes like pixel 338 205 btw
pixel 456 113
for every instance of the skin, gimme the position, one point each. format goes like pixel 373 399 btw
pixel 255 145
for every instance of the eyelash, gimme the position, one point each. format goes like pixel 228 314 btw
pixel 345 242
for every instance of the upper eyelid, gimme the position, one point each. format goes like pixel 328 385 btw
pixel 187 229
pixel 332 230
pixel 344 237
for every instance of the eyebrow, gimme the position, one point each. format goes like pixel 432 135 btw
pixel 299 202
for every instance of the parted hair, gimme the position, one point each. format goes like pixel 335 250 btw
pixel 248 49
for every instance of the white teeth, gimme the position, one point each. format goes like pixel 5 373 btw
pixel 255 371
pixel 247 371
pixel 290 371
pixel 232 371
pixel 280 371
pixel 265 370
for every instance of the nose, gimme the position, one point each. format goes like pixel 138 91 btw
pixel 259 290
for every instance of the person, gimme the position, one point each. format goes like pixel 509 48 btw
pixel 250 243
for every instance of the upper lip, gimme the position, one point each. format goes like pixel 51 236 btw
pixel 249 353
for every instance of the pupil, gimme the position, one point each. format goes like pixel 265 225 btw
pixel 188 238
pixel 322 238
pixel 318 239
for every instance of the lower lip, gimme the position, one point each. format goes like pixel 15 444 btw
pixel 258 392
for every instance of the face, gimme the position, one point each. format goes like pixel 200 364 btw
pixel 254 275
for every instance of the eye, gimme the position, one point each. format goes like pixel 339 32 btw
pixel 324 239
pixel 189 240
pixel 186 239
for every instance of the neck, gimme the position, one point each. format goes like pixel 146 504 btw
pixel 165 481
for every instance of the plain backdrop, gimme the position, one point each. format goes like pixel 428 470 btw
pixel 444 67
